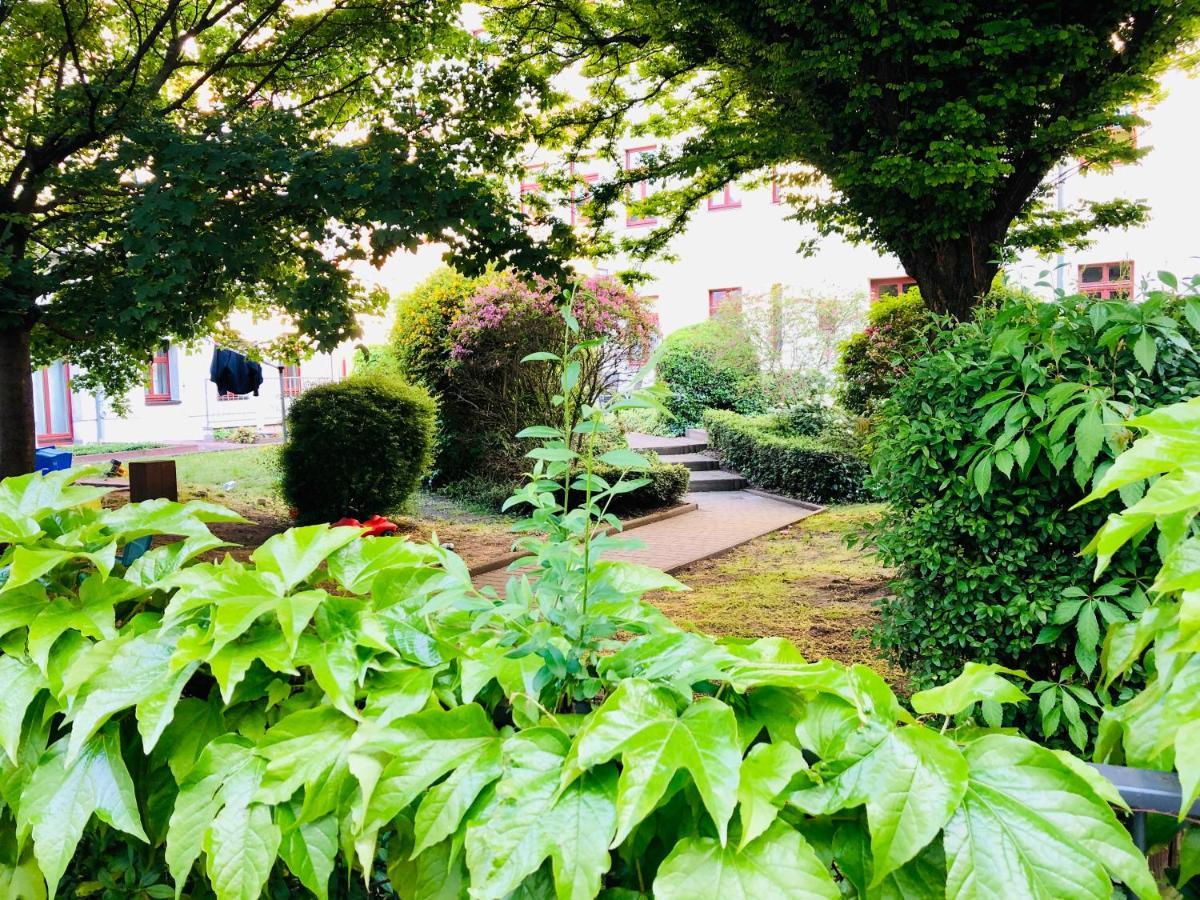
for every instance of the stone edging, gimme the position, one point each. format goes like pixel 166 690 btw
pixel 803 504
pixel 501 562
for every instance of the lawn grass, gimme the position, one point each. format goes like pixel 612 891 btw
pixel 254 473
pixel 111 447
pixel 801 582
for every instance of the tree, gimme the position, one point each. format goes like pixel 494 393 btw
pixel 927 128
pixel 167 161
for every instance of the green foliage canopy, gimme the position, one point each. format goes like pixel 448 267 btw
pixel 926 128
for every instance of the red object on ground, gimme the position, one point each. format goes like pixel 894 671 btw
pixel 376 526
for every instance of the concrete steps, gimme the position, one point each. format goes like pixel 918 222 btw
pixel 691 451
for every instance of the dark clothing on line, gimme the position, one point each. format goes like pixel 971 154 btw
pixel 234 374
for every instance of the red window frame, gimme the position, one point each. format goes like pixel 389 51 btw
pixel 55 437
pixel 727 200
pixel 160 360
pixel 776 192
pixel 900 283
pixel 530 187
pixel 290 380
pixel 717 296
pixel 577 198
pixel 1107 287
pixel 641 189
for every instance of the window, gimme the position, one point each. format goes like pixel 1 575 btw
pixel 581 193
pixel 529 185
pixel 52 405
pixel 718 297
pixel 291 381
pixel 637 360
pixel 1107 280
pixel 891 287
pixel 158 383
pixel 776 192
pixel 635 158
pixel 724 200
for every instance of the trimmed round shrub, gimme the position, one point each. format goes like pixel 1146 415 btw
pixel 356 447
pixel 983 450
pixel 711 365
pixel 763 450
pixel 875 359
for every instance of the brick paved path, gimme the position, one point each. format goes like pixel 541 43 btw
pixel 724 520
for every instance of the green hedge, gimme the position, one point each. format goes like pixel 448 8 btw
pixel 668 484
pixel 797 466
pixel 712 365
pixel 356 447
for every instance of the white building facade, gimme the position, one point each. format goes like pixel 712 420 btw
pixel 739 243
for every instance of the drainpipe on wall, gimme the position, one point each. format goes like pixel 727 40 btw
pixel 98 397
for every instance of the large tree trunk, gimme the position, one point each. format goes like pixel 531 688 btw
pixel 954 274
pixel 17 434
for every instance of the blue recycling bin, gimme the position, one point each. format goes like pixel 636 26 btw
pixel 51 459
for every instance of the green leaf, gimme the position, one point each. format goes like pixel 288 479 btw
pixel 639 724
pixel 623 458
pixel 444 805
pixel 358 563
pixel 62 796
pixel 1145 351
pixel 22 681
pixel 779 864
pixel 308 849
pixel 983 475
pixel 1029 823
pixel 531 821
pixel 976 683
pixel 541 355
pixel 765 774
pixel 296 553
pixel 308 749
pixel 1189 855
pixel 1187 762
pixel 541 432
pixel 241 845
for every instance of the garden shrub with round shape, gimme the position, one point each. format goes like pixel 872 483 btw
pixel 356 447
pixel 766 451
pixel 875 359
pixel 346 710
pixel 711 365
pixel 983 450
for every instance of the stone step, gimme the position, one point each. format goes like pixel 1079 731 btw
pixel 697 462
pixel 666 446
pixel 697 434
pixel 716 480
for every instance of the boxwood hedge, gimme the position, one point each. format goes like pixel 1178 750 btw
pixel 798 466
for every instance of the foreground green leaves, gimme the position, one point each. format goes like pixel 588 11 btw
pixel 285 725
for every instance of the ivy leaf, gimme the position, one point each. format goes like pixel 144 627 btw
pixel 437 874
pixel 241 844
pixel 20 607
pixel 358 563
pixel 1145 351
pixel 766 771
pixel 307 748
pixel 911 780
pixel 530 822
pixel 160 563
pixel 308 849
pixel 639 724
pixel 444 805
pixel 296 553
pixel 978 682
pixel 1029 823
pixel 37 496
pixel 62 796
pixel 22 680
pixel 779 864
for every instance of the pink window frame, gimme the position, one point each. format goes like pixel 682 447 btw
pixel 1105 288
pixel 291 382
pixel 577 218
pixel 726 202
pixel 776 196
pixel 161 358
pixel 642 188
pixel 56 437
pixel 530 187
pixel 903 282
pixel 717 296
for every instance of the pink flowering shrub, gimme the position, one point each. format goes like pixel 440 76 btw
pixel 876 358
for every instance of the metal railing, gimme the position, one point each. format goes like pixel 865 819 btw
pixel 1147 791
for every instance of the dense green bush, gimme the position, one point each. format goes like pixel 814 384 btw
pixel 872 361
pixel 378 359
pixel 356 447
pixel 762 449
pixel 711 365
pixel 982 452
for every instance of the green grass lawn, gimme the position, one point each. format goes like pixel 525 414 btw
pixel 253 471
pixel 112 447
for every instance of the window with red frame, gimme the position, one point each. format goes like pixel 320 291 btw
pixel 581 193
pixel 634 158
pixel 724 200
pixel 158 383
pixel 291 381
pixel 530 185
pixel 718 297
pixel 891 287
pixel 637 360
pixel 776 192
pixel 1107 280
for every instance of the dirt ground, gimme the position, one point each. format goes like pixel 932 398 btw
pixel 802 583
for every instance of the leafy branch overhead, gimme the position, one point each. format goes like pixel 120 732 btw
pixel 340 705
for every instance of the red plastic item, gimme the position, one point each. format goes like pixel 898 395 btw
pixel 376 526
